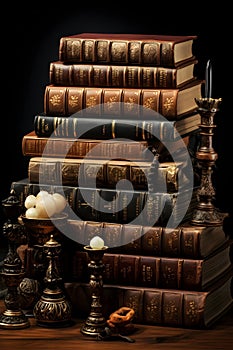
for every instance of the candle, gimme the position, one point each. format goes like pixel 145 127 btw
pixel 96 243
pixel 208 80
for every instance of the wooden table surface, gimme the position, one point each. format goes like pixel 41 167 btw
pixel 220 337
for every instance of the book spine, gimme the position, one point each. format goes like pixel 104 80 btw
pixel 154 306
pixel 104 129
pixel 111 76
pixel 116 51
pixel 67 100
pixel 116 206
pixel 23 189
pixel 111 205
pixel 78 148
pixel 141 240
pixel 104 174
pixel 147 271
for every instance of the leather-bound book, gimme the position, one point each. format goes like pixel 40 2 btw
pixel 184 241
pixel 83 127
pixel 160 306
pixel 63 100
pixel 132 49
pixel 72 172
pixel 122 76
pixel 67 147
pixel 118 205
pixel 115 149
pixel 161 272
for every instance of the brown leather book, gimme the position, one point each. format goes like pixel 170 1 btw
pixel 115 149
pixel 121 76
pixel 33 145
pixel 161 272
pixel 72 172
pixel 160 306
pixel 98 101
pixel 184 241
pixel 132 49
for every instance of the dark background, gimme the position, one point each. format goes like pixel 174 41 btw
pixel 30 38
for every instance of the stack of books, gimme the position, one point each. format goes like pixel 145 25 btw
pixel 121 108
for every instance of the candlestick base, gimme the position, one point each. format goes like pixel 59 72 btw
pixel 207 217
pixel 13 317
pixel 52 309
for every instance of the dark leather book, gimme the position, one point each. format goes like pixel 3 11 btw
pixel 184 241
pixel 121 76
pixel 72 172
pixel 118 205
pixel 63 100
pixel 117 127
pixel 160 306
pixel 161 272
pixel 132 49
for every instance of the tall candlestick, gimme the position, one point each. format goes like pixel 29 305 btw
pixel 208 80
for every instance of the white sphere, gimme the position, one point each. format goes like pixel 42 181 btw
pixel 60 202
pixel 42 194
pixel 32 213
pixel 30 201
pixel 46 206
pixel 96 243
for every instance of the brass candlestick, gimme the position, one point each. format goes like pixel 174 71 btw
pixel 52 309
pixel 205 212
pixel 96 322
pixel 13 317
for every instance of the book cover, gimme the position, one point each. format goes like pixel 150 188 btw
pixel 107 173
pixel 161 272
pixel 160 306
pixel 118 205
pixel 183 241
pixel 67 147
pixel 117 127
pixel 170 103
pixel 114 149
pixel 106 75
pixel 133 49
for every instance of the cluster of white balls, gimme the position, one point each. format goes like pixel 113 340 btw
pixel 44 204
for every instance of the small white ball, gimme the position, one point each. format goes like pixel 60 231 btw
pixel 46 206
pixel 30 201
pixel 96 243
pixel 42 194
pixel 60 202
pixel 32 213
